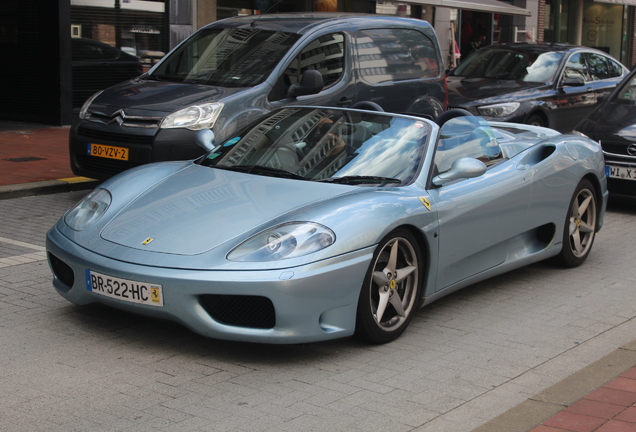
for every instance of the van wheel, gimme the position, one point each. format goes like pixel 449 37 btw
pixel 536 120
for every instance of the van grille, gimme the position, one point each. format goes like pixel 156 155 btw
pixel 111 137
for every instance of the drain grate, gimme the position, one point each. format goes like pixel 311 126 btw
pixel 25 159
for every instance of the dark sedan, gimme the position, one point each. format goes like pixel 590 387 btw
pixel 97 66
pixel 613 124
pixel 553 85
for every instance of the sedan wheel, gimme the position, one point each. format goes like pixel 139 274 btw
pixel 580 226
pixel 536 120
pixel 391 289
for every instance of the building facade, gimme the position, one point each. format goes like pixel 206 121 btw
pixel 36 34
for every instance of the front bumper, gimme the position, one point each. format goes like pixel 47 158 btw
pixel 311 303
pixel 145 145
pixel 621 181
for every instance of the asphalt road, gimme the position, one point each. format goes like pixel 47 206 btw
pixel 464 360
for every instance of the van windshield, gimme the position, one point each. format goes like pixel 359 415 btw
pixel 226 57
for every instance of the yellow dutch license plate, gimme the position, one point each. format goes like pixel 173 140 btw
pixel 106 151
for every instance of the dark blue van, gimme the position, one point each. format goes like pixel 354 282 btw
pixel 233 71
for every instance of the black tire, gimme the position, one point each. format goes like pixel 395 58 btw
pixel 536 120
pixel 580 226
pixel 395 284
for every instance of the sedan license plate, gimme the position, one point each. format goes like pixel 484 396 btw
pixel 106 151
pixel 123 289
pixel 622 173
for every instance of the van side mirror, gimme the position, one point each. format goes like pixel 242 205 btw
pixel 574 81
pixel 205 139
pixel 310 83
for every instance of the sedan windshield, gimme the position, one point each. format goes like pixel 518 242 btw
pixel 329 145
pixel 627 94
pixel 506 64
pixel 226 57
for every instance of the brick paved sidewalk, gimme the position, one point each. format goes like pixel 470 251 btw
pixel 611 408
pixel 34 155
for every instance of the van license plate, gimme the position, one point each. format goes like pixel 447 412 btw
pixel 106 151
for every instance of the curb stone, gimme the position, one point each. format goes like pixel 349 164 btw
pixel 46 187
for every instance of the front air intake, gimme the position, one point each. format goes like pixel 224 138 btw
pixel 240 310
pixel 62 271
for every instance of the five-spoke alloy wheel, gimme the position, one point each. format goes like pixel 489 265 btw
pixel 391 288
pixel 580 226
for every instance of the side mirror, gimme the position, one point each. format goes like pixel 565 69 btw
pixel 205 139
pixel 573 81
pixel 462 168
pixel 310 83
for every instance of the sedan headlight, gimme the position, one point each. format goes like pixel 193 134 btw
pixel 88 210
pixel 285 241
pixel 194 118
pixel 499 110
pixel 87 104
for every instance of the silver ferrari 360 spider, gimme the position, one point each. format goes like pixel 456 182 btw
pixel 317 223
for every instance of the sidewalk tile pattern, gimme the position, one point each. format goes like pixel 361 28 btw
pixel 611 408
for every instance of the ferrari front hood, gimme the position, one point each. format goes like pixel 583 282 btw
pixel 200 208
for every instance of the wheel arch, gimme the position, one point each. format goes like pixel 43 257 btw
pixel 539 113
pixel 596 184
pixel 425 253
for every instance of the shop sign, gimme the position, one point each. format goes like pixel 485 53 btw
pixel 624 2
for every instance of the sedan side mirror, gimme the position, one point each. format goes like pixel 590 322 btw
pixel 205 139
pixel 310 83
pixel 574 81
pixel 462 168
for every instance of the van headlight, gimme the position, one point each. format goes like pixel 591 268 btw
pixel 87 104
pixel 499 110
pixel 285 241
pixel 195 118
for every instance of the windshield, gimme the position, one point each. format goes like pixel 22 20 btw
pixel 226 57
pixel 321 144
pixel 506 64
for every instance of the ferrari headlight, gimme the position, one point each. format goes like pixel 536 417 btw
pixel 87 104
pixel 499 110
pixel 285 241
pixel 194 118
pixel 88 210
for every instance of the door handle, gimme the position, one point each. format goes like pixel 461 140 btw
pixel 344 102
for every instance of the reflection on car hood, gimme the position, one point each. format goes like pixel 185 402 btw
pixel 158 96
pixel 616 122
pixel 466 90
pixel 199 208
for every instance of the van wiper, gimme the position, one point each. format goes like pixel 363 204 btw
pixel 262 170
pixel 360 180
